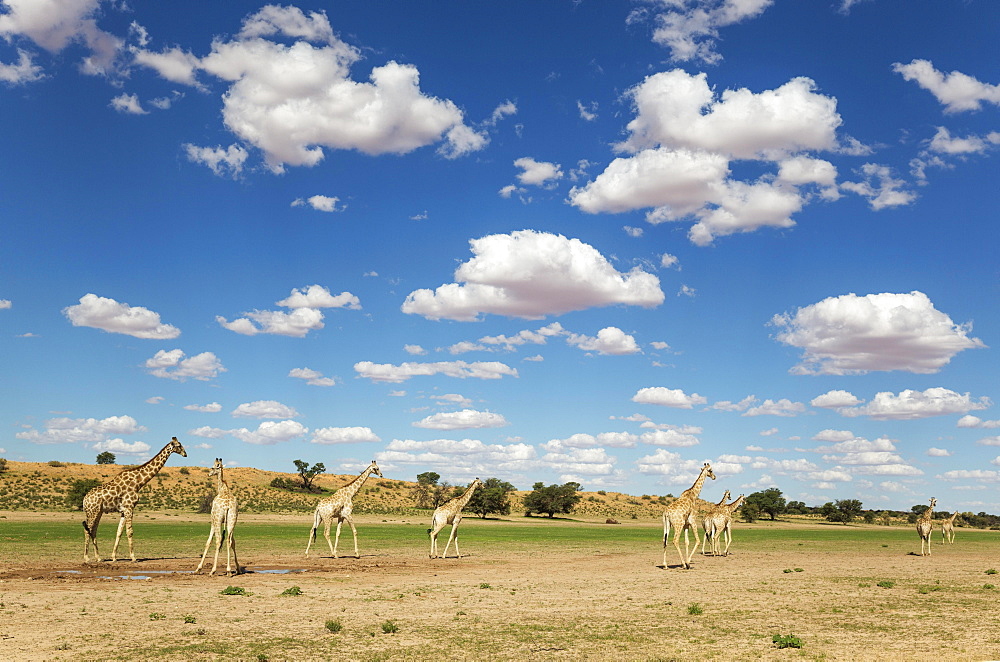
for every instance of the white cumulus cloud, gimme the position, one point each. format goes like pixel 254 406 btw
pixel 173 365
pixel 610 340
pixel 462 420
pixel 114 317
pixel 910 404
pixel 667 397
pixel 265 409
pixel 387 372
pixel 349 435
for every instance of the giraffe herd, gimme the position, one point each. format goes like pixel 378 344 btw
pixel 121 494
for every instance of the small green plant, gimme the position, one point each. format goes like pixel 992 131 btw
pixel 334 626
pixel 156 616
pixel 261 657
pixel 786 641
pixel 292 590
pixel 885 545
pixel 235 590
pixel 799 570
pixel 485 585
pixel 885 583
pixel 695 609
pixel 991 571
pixel 390 627
pixel 787 570
pixel 988 586
pixel 864 585
pixel 190 619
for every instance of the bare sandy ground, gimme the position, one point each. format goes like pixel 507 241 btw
pixel 515 605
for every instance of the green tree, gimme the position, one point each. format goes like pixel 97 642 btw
pixel 106 457
pixel 3 464
pixel 750 512
pixel 843 510
pixel 768 501
pixel 429 493
pixel 796 508
pixel 77 490
pixel 552 499
pixel 492 497
pixel 308 474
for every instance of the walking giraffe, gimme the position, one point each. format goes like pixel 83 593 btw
pixel 924 528
pixel 707 520
pixel 340 505
pixel 948 529
pixel 679 514
pixel 450 513
pixel 224 514
pixel 722 525
pixel 120 496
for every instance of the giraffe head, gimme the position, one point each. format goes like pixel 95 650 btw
pixel 726 495
pixel 216 468
pixel 175 447
pixel 707 471
pixel 738 501
pixel 933 503
pixel 375 469
pixel 476 483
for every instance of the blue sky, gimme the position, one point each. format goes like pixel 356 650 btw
pixel 591 241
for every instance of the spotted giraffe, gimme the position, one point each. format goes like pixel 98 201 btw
pixel 450 513
pixel 340 506
pixel 120 496
pixel 224 514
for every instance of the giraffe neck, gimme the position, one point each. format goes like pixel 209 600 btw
pixel 352 487
pixel 734 505
pixel 725 497
pixel 221 486
pixel 695 489
pixel 141 475
pixel 461 501
pixel 928 514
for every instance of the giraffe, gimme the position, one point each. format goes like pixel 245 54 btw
pixel 722 525
pixel 450 513
pixel 707 520
pixel 679 514
pixel 340 505
pixel 948 529
pixel 924 528
pixel 120 496
pixel 224 514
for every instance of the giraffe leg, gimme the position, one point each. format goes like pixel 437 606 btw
pixel 666 537
pixel 451 537
pixel 336 541
pixel 128 531
pixel 211 534
pixel 354 530
pixel 677 546
pixel 90 536
pixel 118 537
pixel 312 534
pixel 729 537
pixel 220 536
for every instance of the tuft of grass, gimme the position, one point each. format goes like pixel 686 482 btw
pixel 885 583
pixel 787 570
pixel 991 571
pixel 988 586
pixel 156 616
pixel 799 570
pixel 390 627
pixel 190 619
pixel 695 609
pixel 485 585
pixel 334 626
pixel 235 590
pixel 292 590
pixel 786 641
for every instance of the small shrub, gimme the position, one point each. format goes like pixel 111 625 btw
pixel 184 471
pixel 787 570
pixel 235 590
pixel 695 609
pixel 334 626
pixel 56 463
pixel 156 616
pixel 885 583
pixel 991 571
pixel 3 464
pixel 390 627
pixel 786 641
pixel 292 590
pixel 799 570
pixel 988 586
pixel 190 619
pixel 485 585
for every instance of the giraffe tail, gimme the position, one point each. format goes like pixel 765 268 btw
pixel 429 531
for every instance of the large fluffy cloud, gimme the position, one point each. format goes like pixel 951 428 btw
pixel 172 365
pixel 533 274
pixel 304 314
pixel 852 335
pixel 910 404
pixel 667 397
pixel 292 100
pixel 68 430
pixel 114 317
pixel 462 420
pixel 683 139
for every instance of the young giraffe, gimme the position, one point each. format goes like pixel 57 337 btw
pixel 450 513
pixel 679 514
pixel 722 525
pixel 707 521
pixel 924 528
pixel 948 529
pixel 340 505
pixel 120 496
pixel 224 514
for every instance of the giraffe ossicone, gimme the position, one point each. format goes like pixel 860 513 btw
pixel 120 495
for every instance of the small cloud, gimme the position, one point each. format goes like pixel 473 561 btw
pixel 128 104
pixel 155 400
pixel 312 377
pixel 320 203
pixel 211 408
pixel 939 452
